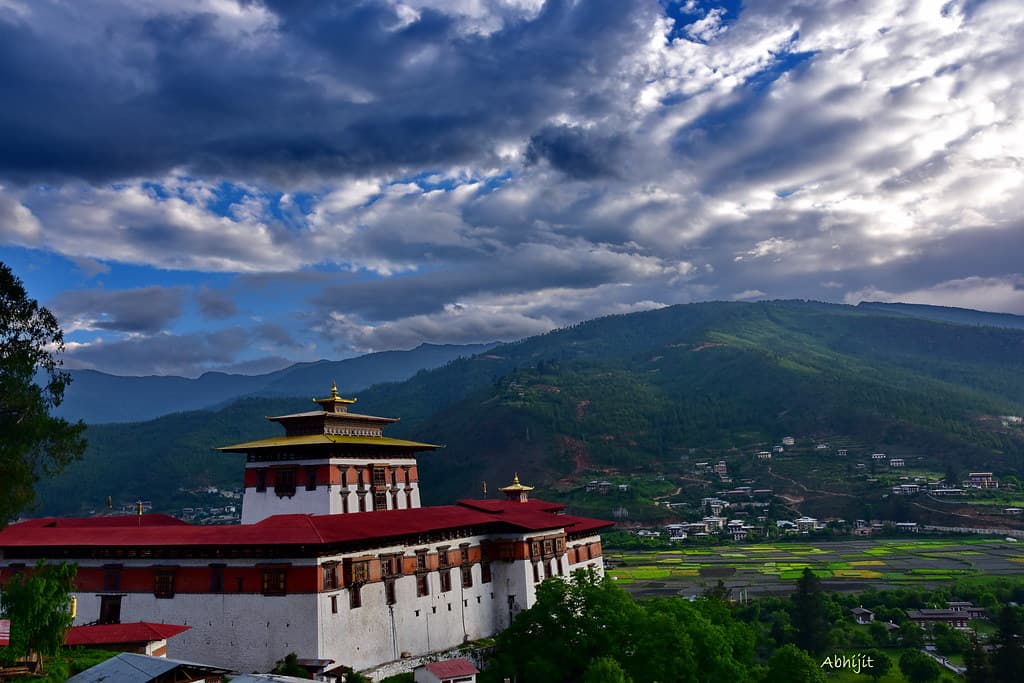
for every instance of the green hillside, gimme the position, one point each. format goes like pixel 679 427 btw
pixel 634 393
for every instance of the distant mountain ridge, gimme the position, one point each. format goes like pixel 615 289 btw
pixel 960 316
pixel 98 397
pixel 626 393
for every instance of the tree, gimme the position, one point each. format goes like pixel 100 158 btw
pixel 605 670
pixel 812 627
pixel 1008 660
pixel 919 667
pixel 979 669
pixel 38 603
pixel 790 664
pixel 32 442
pixel 880 664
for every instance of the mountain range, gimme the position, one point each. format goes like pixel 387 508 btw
pixel 97 397
pixel 639 393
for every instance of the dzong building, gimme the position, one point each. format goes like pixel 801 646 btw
pixel 335 557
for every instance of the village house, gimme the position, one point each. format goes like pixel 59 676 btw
pixel 896 462
pixel 335 558
pixel 764 455
pixel 949 617
pixel 862 616
pixel 981 480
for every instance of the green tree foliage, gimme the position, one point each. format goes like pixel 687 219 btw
pixel 38 603
pixel 605 670
pixel 1008 660
pixel 979 668
pixel 576 623
pixel 289 666
pixel 809 616
pixel 790 664
pixel 949 641
pixel 919 667
pixel 32 442
pixel 880 664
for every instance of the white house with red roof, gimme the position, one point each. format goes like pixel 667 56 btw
pixel 140 637
pixel 446 671
pixel 362 582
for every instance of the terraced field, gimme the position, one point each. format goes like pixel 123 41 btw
pixel 847 566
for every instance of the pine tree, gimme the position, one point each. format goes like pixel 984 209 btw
pixel 812 627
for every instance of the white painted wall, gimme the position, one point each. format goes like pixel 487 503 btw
pixel 326 499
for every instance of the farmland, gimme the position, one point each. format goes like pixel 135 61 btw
pixel 847 566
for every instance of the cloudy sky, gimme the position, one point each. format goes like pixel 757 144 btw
pixel 239 184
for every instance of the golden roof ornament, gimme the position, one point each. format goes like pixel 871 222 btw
pixel 335 403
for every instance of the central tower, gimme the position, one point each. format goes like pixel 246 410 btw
pixel 330 461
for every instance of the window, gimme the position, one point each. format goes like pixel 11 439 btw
pixel 549 546
pixel 536 572
pixel 485 572
pixel 391 565
pixel 216 578
pixel 467 576
pixel 559 544
pixel 261 480
pixel 275 581
pixel 357 571
pixel 421 560
pixel 163 583
pixel 330 576
pixel 442 557
pixel 379 477
pixel 110 609
pixel 408 499
pixel 311 478
pixel 394 500
pixel 334 604
pixel 446 580
pixel 422 585
pixel 284 483
pixel 535 549
pixel 389 591
pixel 464 553
pixel 112 578
pixel 344 501
pixel 355 598
pixel 362 502
pixel 380 500
pixel 547 569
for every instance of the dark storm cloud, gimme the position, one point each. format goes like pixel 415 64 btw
pixel 146 310
pixel 276 335
pixel 527 268
pixel 215 305
pixel 577 152
pixel 187 355
pixel 313 88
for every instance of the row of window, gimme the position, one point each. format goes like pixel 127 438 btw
pixel 274 580
pixel 355 598
pixel 285 478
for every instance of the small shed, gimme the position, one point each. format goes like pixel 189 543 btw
pixel 448 671
pixel 128 667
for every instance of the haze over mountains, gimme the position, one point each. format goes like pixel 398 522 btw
pixel 637 392
pixel 98 397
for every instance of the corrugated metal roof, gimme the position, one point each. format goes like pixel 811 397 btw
pixel 137 632
pixel 132 668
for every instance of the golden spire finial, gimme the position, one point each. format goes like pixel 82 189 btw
pixel 515 479
pixel 334 389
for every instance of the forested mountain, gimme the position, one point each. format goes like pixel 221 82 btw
pixel 97 397
pixel 631 391
pixel 962 316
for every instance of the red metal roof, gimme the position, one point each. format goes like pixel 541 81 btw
pixel 504 505
pixel 138 632
pixel 156 519
pixel 296 529
pixel 450 668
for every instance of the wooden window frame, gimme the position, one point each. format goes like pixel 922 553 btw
pixel 163 583
pixel 275 581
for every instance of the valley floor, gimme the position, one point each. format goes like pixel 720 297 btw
pixel 844 566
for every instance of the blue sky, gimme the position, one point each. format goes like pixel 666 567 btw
pixel 223 185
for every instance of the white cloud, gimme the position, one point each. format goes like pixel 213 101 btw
pixel 998 294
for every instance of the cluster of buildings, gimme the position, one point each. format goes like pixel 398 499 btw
pixel 335 558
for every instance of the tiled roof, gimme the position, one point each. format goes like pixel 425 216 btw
pixel 138 632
